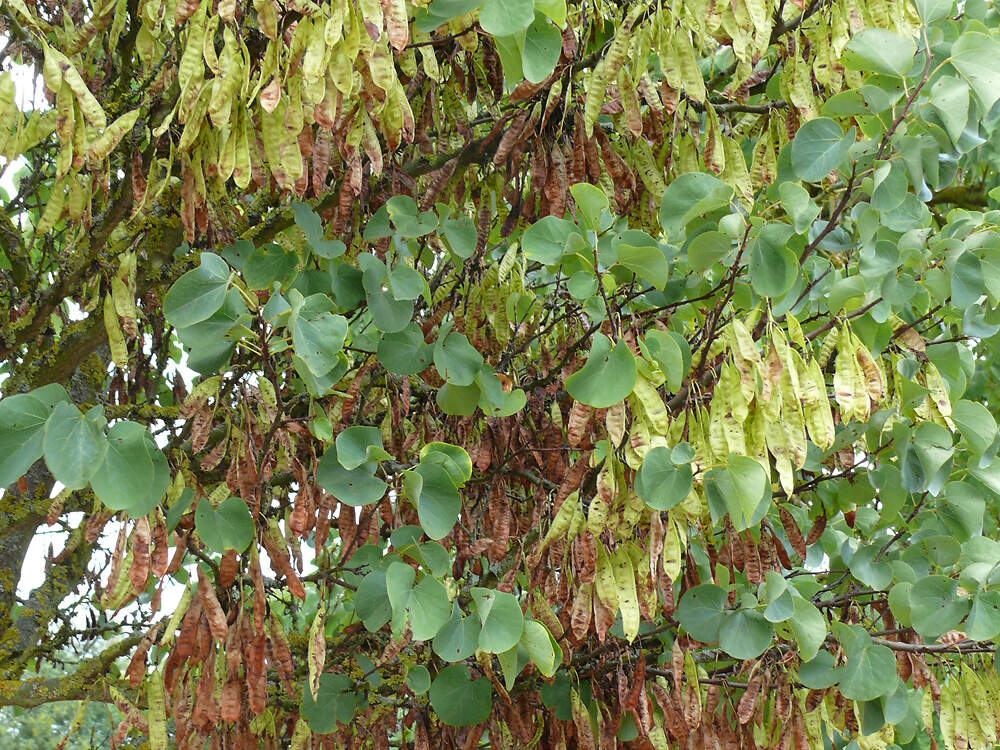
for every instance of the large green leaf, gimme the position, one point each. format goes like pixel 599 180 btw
pixel 538 643
pixel 311 225
pixel 459 638
pixel 879 51
pixel 983 623
pixel 743 490
pixel 335 703
pixel 359 444
pixel 660 483
pixel 458 700
pixel 701 611
pixel 267 265
pixel 453 458
pixel 317 333
pixel 404 352
pixel 371 601
pixel 439 500
pixel 608 376
pixel 456 359
pixel 123 479
pixel 936 605
pixel 542 46
pixel 773 265
pixel 506 17
pixel 229 526
pixel 976 56
pixel 744 634
pixel 22 434
pixel 501 618
pixel 351 486
pixel 429 608
pixel 647 262
pixel 546 239
pixel 74 446
pixel 672 353
pixel 819 147
pixel 870 671
pixel 809 627
pixel 690 195
pixel 198 293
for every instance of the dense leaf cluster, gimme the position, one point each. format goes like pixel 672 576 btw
pixel 448 373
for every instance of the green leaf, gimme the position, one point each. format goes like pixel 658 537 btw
pixel 311 225
pixel 870 671
pixel 977 425
pixel 229 526
pixel 458 700
pixel 461 236
pixel 124 478
pixel 936 606
pixel 317 333
pixel 404 352
pixel 809 627
pixel 418 679
pixel 707 248
pixel 198 293
pixel 542 47
pixel 933 10
pixel 429 607
pixel 798 205
pixel 459 638
pixel 493 399
pixel 950 99
pixel 506 17
pixel 352 487
pixel 744 634
pixel 701 611
pixel 976 56
pixel 409 222
pixel 672 353
pixel 267 265
pixel 554 9
pixel 458 400
pixel 608 376
pixel 456 359
pixel 399 578
pixel 819 147
pixel 538 643
pixel 319 387
pixel 879 51
pixel 371 601
pixel 407 283
pixel 453 458
pixel 743 490
pixel 983 623
pixel 820 672
pixel 22 434
pixel 660 483
pixel 592 203
pixel 501 618
pixel 74 446
pixel 691 194
pixel 439 501
pixel 773 265
pixel 545 240
pixel 359 444
pixel 647 262
pixel 334 703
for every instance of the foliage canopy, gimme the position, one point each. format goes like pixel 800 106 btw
pixel 567 374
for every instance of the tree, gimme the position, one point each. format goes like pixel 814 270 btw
pixel 566 374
